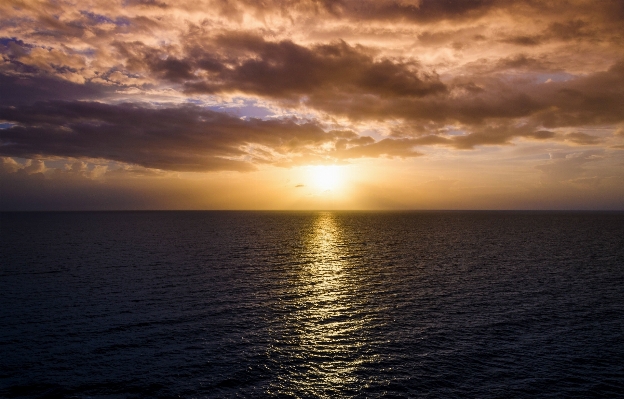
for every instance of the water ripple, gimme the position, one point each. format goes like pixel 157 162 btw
pixel 312 304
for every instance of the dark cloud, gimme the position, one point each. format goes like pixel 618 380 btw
pixel 542 135
pixel 427 12
pixel 172 69
pixel 570 30
pixel 349 80
pixel 522 61
pixel 424 11
pixel 525 40
pixel 288 70
pixel 27 89
pixel 13 47
pixel 146 3
pixel 185 138
pixel 593 100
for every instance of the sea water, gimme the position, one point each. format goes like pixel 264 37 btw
pixel 311 304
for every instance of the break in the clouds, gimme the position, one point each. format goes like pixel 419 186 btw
pixel 219 85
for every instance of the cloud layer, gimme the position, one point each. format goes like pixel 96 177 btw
pixel 214 85
pixel 183 138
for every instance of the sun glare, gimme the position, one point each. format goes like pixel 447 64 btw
pixel 326 177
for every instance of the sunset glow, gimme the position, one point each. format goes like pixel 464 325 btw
pixel 311 198
pixel 191 104
pixel 326 177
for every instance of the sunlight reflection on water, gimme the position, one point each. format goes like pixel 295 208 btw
pixel 308 304
pixel 324 331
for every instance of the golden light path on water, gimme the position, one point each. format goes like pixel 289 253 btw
pixel 325 332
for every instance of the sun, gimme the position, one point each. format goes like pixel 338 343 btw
pixel 326 177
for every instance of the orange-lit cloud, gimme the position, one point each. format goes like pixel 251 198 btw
pixel 215 85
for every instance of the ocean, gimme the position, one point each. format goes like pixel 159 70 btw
pixel 312 304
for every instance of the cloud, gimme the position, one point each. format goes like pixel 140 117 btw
pixel 336 79
pixel 34 166
pixel 9 165
pixel 564 167
pixel 184 138
pixel 492 115
pixel 27 89
pixel 286 70
pixel 211 55
pixel 401 148
pixel 525 40
pixel 417 10
pixel 333 80
pixel 350 81
pixel 582 138
pixel 542 134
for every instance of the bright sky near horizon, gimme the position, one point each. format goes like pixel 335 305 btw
pixel 311 104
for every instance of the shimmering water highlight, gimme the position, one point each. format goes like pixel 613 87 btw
pixel 312 304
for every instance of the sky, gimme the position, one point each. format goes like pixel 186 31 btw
pixel 311 104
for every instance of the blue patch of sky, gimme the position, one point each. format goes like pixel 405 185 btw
pixel 455 132
pixel 6 40
pixel 537 77
pixel 57 163
pixel 102 19
pixel 63 68
pixel 6 125
pixel 15 22
pixel 194 101
pixel 122 21
pixel 244 108
pixel 122 71
pixel 554 77
pixel 89 52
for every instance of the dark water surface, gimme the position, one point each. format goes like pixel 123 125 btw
pixel 305 305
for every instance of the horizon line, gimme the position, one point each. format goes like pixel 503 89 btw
pixel 307 210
